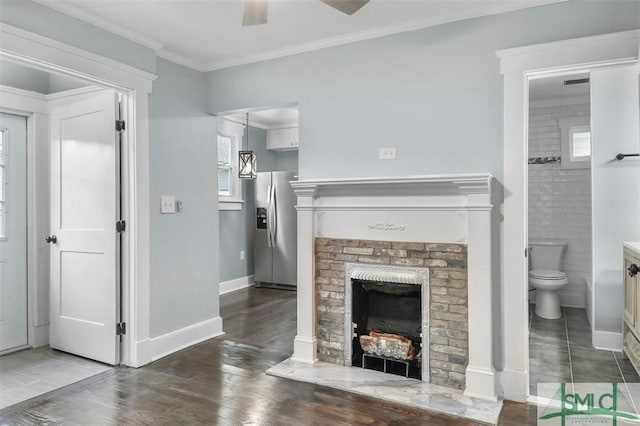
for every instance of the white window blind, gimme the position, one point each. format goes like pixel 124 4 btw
pixel 580 144
pixel 229 137
pixel 575 142
pixel 225 168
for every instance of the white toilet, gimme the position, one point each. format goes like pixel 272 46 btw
pixel 545 275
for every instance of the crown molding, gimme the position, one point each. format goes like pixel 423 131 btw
pixel 368 34
pixel 22 92
pixel 103 23
pixel 201 66
pixel 72 92
pixel 49 96
pixel 172 56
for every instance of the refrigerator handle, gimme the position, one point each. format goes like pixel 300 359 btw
pixel 269 214
pixel 274 215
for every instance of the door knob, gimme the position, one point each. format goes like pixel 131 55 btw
pixel 52 239
pixel 633 270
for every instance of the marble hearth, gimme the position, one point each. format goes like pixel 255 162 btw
pixel 409 220
pixel 409 392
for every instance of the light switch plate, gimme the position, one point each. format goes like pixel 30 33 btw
pixel 167 204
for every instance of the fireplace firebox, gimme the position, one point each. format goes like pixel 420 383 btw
pixel 388 310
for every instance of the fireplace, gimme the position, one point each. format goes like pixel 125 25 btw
pixel 439 223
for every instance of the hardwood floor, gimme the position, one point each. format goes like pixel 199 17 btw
pixel 222 382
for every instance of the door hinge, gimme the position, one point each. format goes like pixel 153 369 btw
pixel 121 226
pixel 120 125
pixel 121 328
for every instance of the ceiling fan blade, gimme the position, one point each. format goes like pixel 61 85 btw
pixel 346 6
pixel 255 12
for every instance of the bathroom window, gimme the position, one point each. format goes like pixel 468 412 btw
pixel 229 184
pixel 575 140
pixel 580 143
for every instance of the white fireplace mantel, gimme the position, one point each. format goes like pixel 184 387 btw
pixel 458 184
pixel 453 208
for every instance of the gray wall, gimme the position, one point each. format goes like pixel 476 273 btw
pixel 435 94
pixel 25 78
pixel 236 227
pixel 34 17
pixel 61 83
pixel 184 253
pixel 21 77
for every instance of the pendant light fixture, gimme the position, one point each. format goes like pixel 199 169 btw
pixel 247 160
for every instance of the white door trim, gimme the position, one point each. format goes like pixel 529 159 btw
pixel 50 55
pixel 517 66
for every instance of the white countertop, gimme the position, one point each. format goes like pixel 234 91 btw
pixel 635 246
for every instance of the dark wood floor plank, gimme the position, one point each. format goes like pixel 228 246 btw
pixel 222 382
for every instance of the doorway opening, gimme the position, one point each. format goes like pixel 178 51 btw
pixel 612 63
pixel 258 230
pixel 565 172
pixel 268 251
pixel 62 200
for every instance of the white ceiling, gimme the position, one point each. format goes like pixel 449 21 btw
pixel 553 87
pixel 207 34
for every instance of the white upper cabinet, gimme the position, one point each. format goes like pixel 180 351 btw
pixel 282 139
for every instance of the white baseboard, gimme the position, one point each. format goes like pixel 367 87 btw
pixel 39 335
pixel 174 341
pixel 142 354
pixel 237 284
pixel 514 384
pixel 606 340
pixel 588 303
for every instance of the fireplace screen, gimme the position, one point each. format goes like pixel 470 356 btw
pixel 387 327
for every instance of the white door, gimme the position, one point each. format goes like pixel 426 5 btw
pixel 13 232
pixel 84 211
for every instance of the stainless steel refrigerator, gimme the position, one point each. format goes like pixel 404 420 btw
pixel 275 237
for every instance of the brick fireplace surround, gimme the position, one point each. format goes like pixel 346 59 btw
pixel 442 223
pixel 446 263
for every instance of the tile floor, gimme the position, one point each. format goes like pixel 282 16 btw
pixel 560 351
pixel 33 372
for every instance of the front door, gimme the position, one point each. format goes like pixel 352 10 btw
pixel 13 232
pixel 84 241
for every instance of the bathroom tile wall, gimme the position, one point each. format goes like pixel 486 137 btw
pixel 560 199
